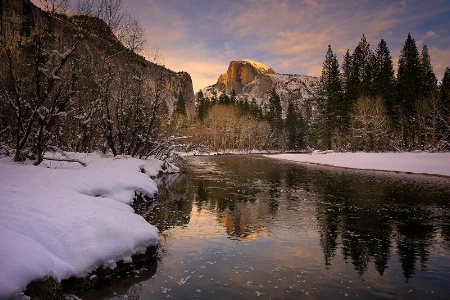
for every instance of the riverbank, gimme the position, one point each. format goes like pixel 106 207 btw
pixel 61 219
pixel 437 164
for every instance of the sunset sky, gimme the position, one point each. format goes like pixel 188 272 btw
pixel 202 36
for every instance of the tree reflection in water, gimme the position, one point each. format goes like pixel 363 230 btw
pixel 366 216
pixel 299 230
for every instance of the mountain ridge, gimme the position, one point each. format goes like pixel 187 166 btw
pixel 250 79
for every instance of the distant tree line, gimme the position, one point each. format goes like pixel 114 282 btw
pixel 228 122
pixel 364 106
pixel 63 92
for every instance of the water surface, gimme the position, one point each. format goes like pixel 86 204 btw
pixel 253 227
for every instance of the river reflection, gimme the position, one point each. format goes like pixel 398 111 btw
pixel 248 226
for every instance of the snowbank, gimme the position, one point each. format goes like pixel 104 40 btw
pixel 421 162
pixel 60 221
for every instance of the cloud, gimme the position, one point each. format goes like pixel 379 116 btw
pixel 440 60
pixel 292 36
pixel 430 34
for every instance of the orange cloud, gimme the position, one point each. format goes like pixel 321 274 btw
pixel 290 36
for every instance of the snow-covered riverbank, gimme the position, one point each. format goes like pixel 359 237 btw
pixel 62 219
pixel 406 162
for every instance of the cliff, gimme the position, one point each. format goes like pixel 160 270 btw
pixel 241 73
pixel 21 21
pixel 250 79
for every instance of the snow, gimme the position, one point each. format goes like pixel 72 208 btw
pixel 61 219
pixel 416 162
pixel 63 55
pixel 259 66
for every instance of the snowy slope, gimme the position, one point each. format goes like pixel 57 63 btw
pixel 67 222
pixel 299 89
pixel 259 66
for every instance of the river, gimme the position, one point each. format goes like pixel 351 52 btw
pixel 251 227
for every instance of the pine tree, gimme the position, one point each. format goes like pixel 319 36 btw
pixel 409 88
pixel 295 128
pixel 429 81
pixel 346 69
pixel 181 105
pixel 274 114
pixel 445 88
pixel 360 71
pixel 334 110
pixel 202 105
pixel 224 99
pixel 384 80
pixel 445 102
pixel 233 96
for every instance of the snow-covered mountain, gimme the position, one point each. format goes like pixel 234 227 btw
pixel 251 79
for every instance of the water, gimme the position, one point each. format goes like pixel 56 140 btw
pixel 252 227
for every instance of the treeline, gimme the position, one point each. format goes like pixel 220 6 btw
pixel 361 105
pixel 66 84
pixel 364 106
pixel 231 123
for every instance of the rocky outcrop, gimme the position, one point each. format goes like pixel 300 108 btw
pixel 20 20
pixel 239 74
pixel 253 80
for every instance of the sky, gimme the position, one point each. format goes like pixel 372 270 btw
pixel 201 37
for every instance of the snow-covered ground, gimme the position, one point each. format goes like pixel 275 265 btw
pixel 62 219
pixel 419 162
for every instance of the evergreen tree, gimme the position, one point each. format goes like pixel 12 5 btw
pixel 255 109
pixel 224 99
pixel 409 88
pixel 445 88
pixel 429 81
pixel 181 105
pixel 384 80
pixel 346 69
pixel 214 99
pixel 445 102
pixel 295 128
pixel 274 114
pixel 233 96
pixel 202 105
pixel 360 71
pixel 334 110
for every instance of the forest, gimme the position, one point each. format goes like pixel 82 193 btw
pixel 95 94
pixel 362 106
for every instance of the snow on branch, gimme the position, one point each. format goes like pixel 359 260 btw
pixel 65 54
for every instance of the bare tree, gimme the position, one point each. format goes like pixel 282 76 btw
pixel 88 7
pixel 55 6
pixel 110 11
pixel 432 128
pixel 369 125
pixel 38 90
pixel 126 27
pixel 154 55
pixel 131 34
pixel 113 13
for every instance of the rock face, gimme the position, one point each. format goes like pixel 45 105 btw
pixel 250 79
pixel 21 20
pixel 239 74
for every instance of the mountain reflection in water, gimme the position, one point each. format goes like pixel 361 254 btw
pixel 246 226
